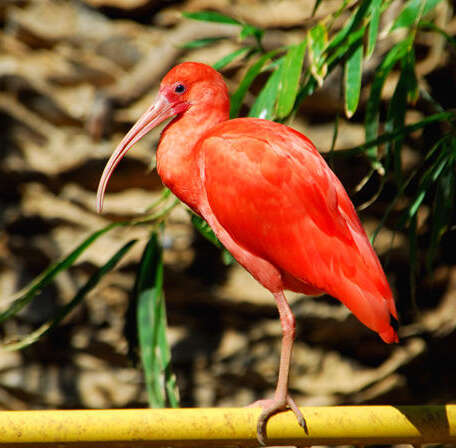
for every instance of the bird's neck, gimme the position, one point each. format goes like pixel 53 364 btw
pixel 177 162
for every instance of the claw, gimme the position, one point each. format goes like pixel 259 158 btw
pixel 272 407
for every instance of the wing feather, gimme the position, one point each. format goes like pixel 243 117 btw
pixel 275 195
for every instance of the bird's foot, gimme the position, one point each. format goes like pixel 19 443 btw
pixel 273 406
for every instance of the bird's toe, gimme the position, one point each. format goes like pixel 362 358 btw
pixel 271 407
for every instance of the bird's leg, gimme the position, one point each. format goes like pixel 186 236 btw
pixel 281 400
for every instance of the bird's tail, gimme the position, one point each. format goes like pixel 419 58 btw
pixel 390 334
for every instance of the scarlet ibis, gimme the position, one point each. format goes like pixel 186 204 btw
pixel 272 201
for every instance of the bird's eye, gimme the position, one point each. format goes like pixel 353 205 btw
pixel 180 88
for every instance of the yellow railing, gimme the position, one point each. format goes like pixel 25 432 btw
pixel 332 425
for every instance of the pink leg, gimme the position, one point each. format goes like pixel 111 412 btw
pixel 281 400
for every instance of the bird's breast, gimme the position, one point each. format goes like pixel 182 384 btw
pixel 180 175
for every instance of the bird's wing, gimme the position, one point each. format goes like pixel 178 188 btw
pixel 274 194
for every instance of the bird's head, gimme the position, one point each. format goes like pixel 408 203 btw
pixel 190 84
pixel 185 86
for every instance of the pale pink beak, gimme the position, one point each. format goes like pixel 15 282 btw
pixel 160 110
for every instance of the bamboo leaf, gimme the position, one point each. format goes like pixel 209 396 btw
pixel 149 290
pixel 198 43
pixel 331 61
pixel 171 389
pixel 203 227
pixel 373 103
pixel 223 62
pixel 342 34
pixel 211 16
pixel 373 27
pixel 151 320
pixel 250 30
pixel 65 310
pixel 227 258
pixel 289 78
pixel 335 135
pixel 164 195
pixel 429 177
pixel 389 136
pixel 252 73
pixel 408 15
pixel 412 11
pixel 317 39
pixel 355 20
pixel 353 41
pixel 413 257
pixel 437 146
pixel 316 5
pixel 27 294
pixel 433 27
pixel 443 206
pixel 264 105
pixel 306 90
pixel 395 116
pixel 353 74
pixel 412 84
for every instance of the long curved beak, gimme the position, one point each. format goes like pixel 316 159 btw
pixel 160 110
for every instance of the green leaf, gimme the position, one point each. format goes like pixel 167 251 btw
pixel 389 136
pixel 252 73
pixel 198 43
pixel 250 30
pixel 429 177
pixel 355 20
pixel 335 134
pixel 433 27
pixel 317 39
pixel 330 154
pixel 412 12
pixel 407 87
pixel 344 4
pixel 395 117
pixel 264 105
pixel 227 258
pixel 444 203
pixel 373 103
pixel 413 257
pixel 223 62
pixel 353 74
pixel 203 227
pixel 345 48
pixel 151 320
pixel 211 16
pixel 27 294
pixel 306 90
pixel 289 78
pixel 409 216
pixel 172 391
pixel 316 5
pixel 164 195
pixel 65 310
pixel 373 27
pixel 412 84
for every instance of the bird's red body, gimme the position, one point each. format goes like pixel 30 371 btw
pixel 270 198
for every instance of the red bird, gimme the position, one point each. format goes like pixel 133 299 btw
pixel 271 200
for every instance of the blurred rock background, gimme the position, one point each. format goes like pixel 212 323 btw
pixel 74 75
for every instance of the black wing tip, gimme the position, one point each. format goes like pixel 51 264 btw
pixel 394 323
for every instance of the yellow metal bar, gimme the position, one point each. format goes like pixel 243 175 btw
pixel 333 425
